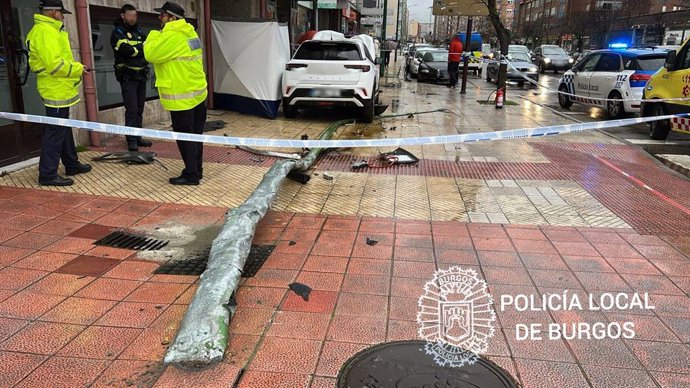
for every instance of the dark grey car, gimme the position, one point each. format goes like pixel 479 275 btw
pixel 434 67
pixel 521 66
pixel 551 57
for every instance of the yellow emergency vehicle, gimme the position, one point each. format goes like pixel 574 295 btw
pixel 671 81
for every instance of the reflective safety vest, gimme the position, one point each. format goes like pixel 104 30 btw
pixel 176 56
pixel 50 57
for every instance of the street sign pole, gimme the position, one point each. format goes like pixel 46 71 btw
pixel 397 31
pixel 382 66
pixel 466 59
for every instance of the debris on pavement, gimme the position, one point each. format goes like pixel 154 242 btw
pixel 360 164
pixel 301 290
pixel 214 125
pixel 292 242
pixel 327 176
pixel 371 242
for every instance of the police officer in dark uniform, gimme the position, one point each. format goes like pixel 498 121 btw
pixel 131 70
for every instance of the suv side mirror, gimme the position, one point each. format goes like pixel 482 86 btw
pixel 670 63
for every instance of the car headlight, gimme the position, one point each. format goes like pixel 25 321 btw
pixel 547 60
pixel 532 69
pixel 571 60
pixel 424 70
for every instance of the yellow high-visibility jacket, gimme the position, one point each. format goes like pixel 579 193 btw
pixel 176 56
pixel 50 57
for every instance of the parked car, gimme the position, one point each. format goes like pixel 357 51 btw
pixel 551 57
pixel 414 62
pixel 519 48
pixel 434 67
pixel 520 61
pixel 577 57
pixel 331 70
pixel 610 74
pixel 671 81
pixel 412 52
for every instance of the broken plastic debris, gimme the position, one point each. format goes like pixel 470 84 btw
pixel 371 241
pixel 301 290
pixel 327 176
pixel 291 243
pixel 359 164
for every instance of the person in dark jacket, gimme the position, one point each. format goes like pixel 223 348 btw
pixel 131 70
pixel 454 58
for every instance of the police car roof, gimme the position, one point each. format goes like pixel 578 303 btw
pixel 633 52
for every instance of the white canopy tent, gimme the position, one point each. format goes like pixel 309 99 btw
pixel 248 63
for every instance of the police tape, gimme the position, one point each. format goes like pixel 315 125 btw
pixel 359 143
pixel 560 92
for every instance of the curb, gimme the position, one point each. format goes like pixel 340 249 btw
pixel 674 166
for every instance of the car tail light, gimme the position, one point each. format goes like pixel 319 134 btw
pixel 291 66
pixel 364 68
pixel 640 77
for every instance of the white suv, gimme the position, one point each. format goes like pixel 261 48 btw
pixel 331 70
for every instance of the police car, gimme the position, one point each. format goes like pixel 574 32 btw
pixel 612 74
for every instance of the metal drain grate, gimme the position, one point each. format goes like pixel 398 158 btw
pixel 195 264
pixel 126 240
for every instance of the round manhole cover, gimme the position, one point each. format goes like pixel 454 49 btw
pixel 405 365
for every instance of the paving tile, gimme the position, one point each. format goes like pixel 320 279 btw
pixel 295 324
pixel 602 281
pixel 486 231
pixel 285 261
pixel 554 279
pixel 657 252
pixel 507 276
pixel 323 382
pixel 381 238
pixel 414 240
pixel 671 305
pixel 240 349
pixel 633 266
pixel 636 239
pixel 260 297
pixel 617 250
pixel 525 234
pixel 326 264
pixel 272 278
pixel 60 284
pixel 78 311
pixel 313 221
pixel 162 293
pixel 413 254
pixel 602 377
pixel 363 305
pixel 412 269
pixel 10 255
pixel 321 280
pixel 150 345
pixel 25 222
pixel 9 326
pixel 131 314
pixel 672 267
pixel 104 343
pixel 662 356
pixel 603 352
pixel 15 366
pixel 647 327
pixel 354 329
pixel 546 350
pixel 28 305
pixel 334 355
pixel 500 259
pixel 404 308
pixel 17 279
pixel 382 252
pixel 588 264
pixel 366 284
pixel 655 285
pixel 460 257
pixel 88 266
pixel 671 380
pixel 575 248
pixel 543 261
pixel 361 266
pixel 44 261
pixel 452 242
pixel 8 234
pixel 545 374
pixel 221 375
pixel 413 227
pixel 340 223
pixel 57 227
pixel 108 289
pixel 92 231
pixel 287 355
pixel 31 240
pixel 132 270
pixel 319 302
pixel 402 330
pixel 534 246
pixel 258 379
pixel 124 372
pixel 603 238
pixel 251 321
pixel 409 287
pixel 73 245
pixel 111 253
pixel 493 244
pixel 41 338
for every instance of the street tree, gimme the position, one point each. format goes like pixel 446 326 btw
pixel 503 34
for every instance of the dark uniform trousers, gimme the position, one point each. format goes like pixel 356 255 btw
pixel 190 121
pixel 453 71
pixel 134 97
pixel 57 143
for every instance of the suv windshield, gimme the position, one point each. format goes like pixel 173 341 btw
pixel 328 51
pixel 436 56
pixel 554 51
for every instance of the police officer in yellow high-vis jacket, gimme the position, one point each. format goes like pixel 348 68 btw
pixel 175 53
pixel 58 77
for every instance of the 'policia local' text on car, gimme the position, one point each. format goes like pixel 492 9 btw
pixel 610 75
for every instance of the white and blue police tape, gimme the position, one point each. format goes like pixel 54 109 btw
pixel 361 143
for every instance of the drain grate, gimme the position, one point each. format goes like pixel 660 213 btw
pixel 195 264
pixel 126 240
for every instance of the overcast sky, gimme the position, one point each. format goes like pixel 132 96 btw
pixel 419 10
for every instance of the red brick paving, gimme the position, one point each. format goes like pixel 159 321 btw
pixel 114 326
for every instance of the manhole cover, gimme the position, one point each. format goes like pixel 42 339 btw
pixel 405 364
pixel 195 264
pixel 126 240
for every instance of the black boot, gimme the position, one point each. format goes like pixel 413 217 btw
pixel 144 143
pixel 182 181
pixel 56 181
pixel 83 168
